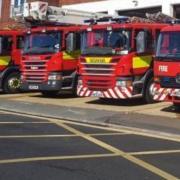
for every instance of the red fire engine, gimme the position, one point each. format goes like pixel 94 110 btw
pixel 117 59
pixel 167 66
pixel 11 42
pixel 49 59
pixel 51 53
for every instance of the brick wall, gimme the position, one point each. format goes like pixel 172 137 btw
pixel 5 12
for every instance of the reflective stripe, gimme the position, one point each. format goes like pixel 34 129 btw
pixel 71 56
pixel 142 61
pixel 4 60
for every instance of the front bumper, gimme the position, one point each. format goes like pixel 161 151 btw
pixel 116 92
pixel 165 94
pixel 47 86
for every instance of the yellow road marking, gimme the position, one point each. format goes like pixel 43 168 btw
pixel 57 135
pixel 33 159
pixel 38 136
pixel 154 152
pixel 135 131
pixel 26 123
pixel 107 134
pixel 121 153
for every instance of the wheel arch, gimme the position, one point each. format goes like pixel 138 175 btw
pixel 7 72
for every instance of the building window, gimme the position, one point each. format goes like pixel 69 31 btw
pixel 17 3
pixel 16 7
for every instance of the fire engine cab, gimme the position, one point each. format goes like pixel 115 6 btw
pixel 167 66
pixel 117 58
pixel 11 43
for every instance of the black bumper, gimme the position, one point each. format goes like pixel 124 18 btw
pixel 41 87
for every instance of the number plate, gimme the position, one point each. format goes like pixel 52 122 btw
pixel 98 60
pixel 97 94
pixel 33 87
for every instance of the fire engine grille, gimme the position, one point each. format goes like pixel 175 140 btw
pixel 100 85
pixel 34 71
pixel 98 75
pixel 169 82
pixel 99 69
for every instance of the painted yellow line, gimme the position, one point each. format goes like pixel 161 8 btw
pixel 108 134
pixel 38 136
pixel 154 152
pixel 25 123
pixel 121 153
pixel 50 158
pixel 56 135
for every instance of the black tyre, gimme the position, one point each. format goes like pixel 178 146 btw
pixel 12 83
pixel 148 95
pixel 49 93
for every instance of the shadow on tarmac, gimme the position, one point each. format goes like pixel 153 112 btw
pixel 172 109
pixel 118 102
pixel 56 96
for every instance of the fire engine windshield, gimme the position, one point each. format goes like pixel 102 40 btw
pixel 168 46
pixel 39 43
pixel 105 42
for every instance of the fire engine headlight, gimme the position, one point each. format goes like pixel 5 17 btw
pixel 80 82
pixel 124 82
pixel 157 79
pixel 53 77
pixel 22 77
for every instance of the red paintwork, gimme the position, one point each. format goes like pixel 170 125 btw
pixel 16 53
pixel 173 68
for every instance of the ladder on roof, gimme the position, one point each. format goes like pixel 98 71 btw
pixel 40 11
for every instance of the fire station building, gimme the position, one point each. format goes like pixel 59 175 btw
pixel 120 7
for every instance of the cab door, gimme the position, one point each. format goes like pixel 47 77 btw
pixel 6 46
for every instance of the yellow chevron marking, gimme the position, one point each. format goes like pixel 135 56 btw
pixel 142 61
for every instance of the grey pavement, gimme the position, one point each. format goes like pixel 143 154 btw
pixel 96 116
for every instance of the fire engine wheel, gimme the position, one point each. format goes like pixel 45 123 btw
pixel 49 93
pixel 12 83
pixel 148 95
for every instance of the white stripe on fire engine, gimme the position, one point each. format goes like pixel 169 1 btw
pixel 88 93
pixel 128 92
pixel 161 96
pixel 106 94
pixel 119 93
pixel 79 89
pixel 112 93
pixel 83 91
pixel 156 96
pixel 124 95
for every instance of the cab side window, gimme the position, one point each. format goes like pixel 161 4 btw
pixel 73 42
pixel 144 40
pixel 20 42
pixel 6 43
